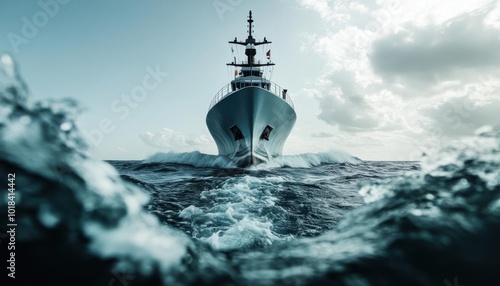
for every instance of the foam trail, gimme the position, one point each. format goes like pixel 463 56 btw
pixel 230 216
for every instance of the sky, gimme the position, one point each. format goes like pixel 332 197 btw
pixel 380 80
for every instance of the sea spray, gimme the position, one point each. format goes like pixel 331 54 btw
pixel 76 216
pixel 306 160
pixel 435 226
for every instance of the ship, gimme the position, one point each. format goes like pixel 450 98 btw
pixel 251 117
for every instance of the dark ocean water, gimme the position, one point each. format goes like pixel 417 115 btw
pixel 248 209
pixel 195 219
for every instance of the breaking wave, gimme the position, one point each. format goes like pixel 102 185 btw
pixel 306 160
pixel 432 227
pixel 75 214
pixel 233 215
pixel 195 159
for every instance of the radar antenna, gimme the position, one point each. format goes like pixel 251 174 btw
pixel 250 45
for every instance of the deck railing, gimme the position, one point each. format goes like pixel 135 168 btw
pixel 272 87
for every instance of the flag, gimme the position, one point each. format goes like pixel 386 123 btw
pixel 232 50
pixel 268 54
pixel 235 72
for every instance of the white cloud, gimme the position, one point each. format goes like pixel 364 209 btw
pixel 463 115
pixel 403 71
pixel 461 49
pixel 171 140
pixel 342 103
pixel 322 135
pixel 320 6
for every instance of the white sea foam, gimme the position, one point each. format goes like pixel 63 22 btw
pixel 243 233
pixel 195 159
pixel 232 215
pixel 306 160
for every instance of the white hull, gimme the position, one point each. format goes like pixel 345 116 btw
pixel 251 109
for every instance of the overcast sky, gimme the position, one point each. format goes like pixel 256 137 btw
pixel 381 80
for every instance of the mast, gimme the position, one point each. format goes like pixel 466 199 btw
pixel 250 25
pixel 250 45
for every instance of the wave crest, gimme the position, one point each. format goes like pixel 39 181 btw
pixel 308 160
pixel 201 160
pixel 195 159
pixel 78 209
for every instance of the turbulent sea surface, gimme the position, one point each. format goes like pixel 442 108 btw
pixel 247 209
pixel 196 219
